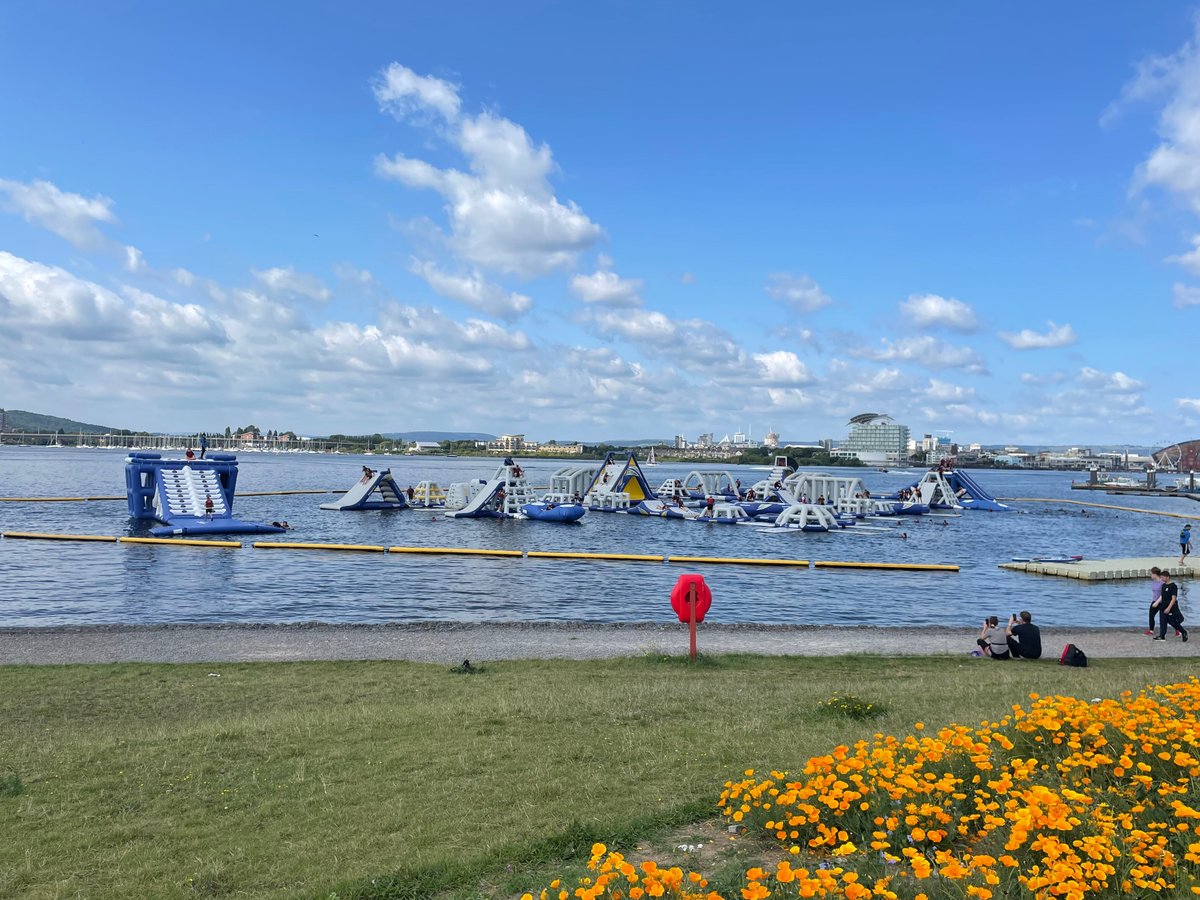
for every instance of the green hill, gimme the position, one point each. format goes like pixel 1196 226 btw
pixel 24 421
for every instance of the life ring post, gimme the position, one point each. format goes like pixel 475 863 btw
pixel 692 620
pixel 691 599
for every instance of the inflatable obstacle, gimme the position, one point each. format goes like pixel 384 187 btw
pixel 189 496
pixel 377 491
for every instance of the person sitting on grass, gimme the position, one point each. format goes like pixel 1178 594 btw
pixel 993 640
pixel 1023 637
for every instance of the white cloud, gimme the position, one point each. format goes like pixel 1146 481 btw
pixel 355 275
pixel 1174 165
pixel 1188 405
pixel 926 310
pixel 135 262
pixel 607 288
pixel 429 325
pixel 401 91
pixel 183 276
pixel 692 344
pixel 1191 259
pixel 924 350
pixel 1185 295
pixel 945 392
pixel 474 291
pixel 1047 378
pixel 53 302
pixel 289 281
pixel 1027 339
pixel 70 216
pixel 1115 382
pixel 800 292
pixel 782 368
pixel 687 278
pixel 503 214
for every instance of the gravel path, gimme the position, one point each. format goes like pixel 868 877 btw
pixel 451 643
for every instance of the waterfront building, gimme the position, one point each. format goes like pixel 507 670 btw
pixel 1181 457
pixel 771 440
pixel 512 443
pixel 875 439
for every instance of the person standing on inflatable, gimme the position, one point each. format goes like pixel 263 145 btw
pixel 203 444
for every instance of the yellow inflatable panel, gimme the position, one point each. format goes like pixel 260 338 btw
pixel 38 536
pixel 803 563
pixel 285 545
pixel 180 542
pixel 553 554
pixel 456 551
pixel 881 565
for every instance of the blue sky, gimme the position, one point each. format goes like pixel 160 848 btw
pixel 589 221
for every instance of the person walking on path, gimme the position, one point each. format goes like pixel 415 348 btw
pixel 1155 595
pixel 1169 610
pixel 1185 543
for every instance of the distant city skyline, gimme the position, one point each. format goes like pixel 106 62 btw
pixel 576 224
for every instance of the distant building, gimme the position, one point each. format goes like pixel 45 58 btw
pixel 423 447
pixel 771 440
pixel 3 421
pixel 573 448
pixel 1016 458
pixel 1182 457
pixel 680 442
pixel 875 438
pixel 705 440
pixel 512 443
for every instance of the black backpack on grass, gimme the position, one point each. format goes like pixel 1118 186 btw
pixel 1073 656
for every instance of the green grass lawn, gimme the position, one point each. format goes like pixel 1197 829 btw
pixel 404 780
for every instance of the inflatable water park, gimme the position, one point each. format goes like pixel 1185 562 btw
pixel 507 495
pixel 375 490
pixel 195 496
pixel 187 496
pixel 783 500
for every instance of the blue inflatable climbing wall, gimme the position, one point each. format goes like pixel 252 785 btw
pixel 189 496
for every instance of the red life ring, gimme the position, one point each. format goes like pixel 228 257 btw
pixel 679 597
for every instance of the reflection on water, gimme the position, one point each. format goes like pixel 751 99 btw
pixel 62 583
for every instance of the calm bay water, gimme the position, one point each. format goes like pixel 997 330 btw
pixel 49 583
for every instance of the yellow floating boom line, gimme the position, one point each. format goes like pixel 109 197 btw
pixel 286 545
pixel 1149 512
pixel 281 493
pixel 180 542
pixel 40 536
pixel 43 499
pixel 555 554
pixel 921 567
pixel 802 563
pixel 456 551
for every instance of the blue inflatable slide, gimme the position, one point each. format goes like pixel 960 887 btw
pixel 189 496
